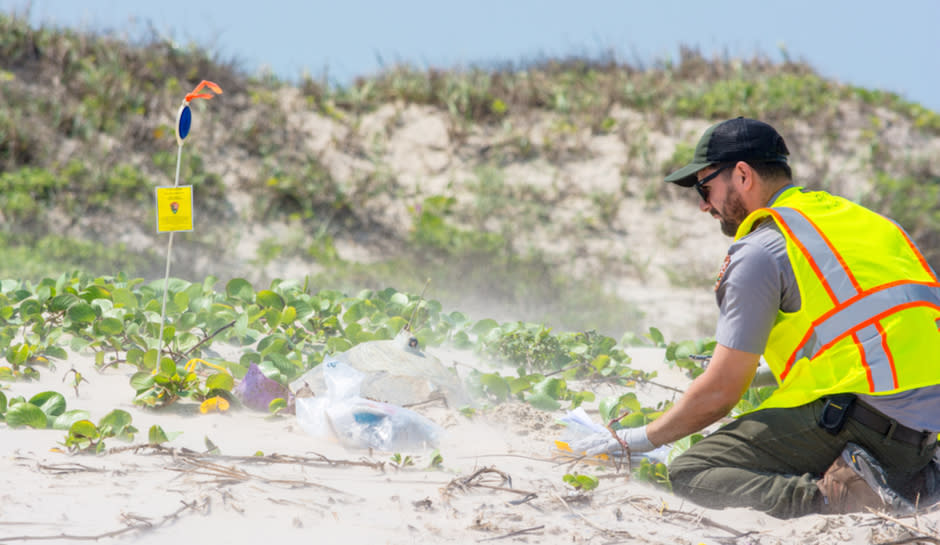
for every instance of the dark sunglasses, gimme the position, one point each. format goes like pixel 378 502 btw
pixel 700 185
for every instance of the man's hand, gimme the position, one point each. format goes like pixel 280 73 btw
pixel 604 443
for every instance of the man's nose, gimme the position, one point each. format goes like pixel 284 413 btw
pixel 703 205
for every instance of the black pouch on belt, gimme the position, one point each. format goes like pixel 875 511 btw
pixel 835 412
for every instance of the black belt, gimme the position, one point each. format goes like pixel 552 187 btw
pixel 887 426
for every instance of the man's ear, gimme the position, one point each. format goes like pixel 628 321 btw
pixel 743 175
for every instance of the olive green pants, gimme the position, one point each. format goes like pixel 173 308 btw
pixel 770 460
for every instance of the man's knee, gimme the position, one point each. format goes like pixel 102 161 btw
pixel 681 472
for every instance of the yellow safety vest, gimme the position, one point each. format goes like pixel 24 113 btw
pixel 870 303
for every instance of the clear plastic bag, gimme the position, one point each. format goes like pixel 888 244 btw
pixel 579 425
pixel 362 423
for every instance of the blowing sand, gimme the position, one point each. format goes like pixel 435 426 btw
pixel 501 480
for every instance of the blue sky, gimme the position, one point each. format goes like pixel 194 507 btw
pixel 893 46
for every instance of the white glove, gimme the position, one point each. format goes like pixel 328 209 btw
pixel 604 443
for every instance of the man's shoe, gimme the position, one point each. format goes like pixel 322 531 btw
pixel 856 482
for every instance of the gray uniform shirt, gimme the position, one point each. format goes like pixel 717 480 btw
pixel 756 281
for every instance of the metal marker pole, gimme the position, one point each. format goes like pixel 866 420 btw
pixel 166 276
pixel 183 121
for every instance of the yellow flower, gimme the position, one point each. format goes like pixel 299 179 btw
pixel 214 404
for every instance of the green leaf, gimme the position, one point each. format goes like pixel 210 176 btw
pixel 78 344
pixel 63 302
pixel 180 301
pixel 187 321
pixel 273 318
pixel 656 336
pixel 495 385
pixel 483 327
pixel 167 367
pixel 288 316
pixel 580 397
pixel 30 309
pixel 600 362
pixel 26 414
pixel 521 384
pixel 150 359
pixel 335 345
pixel 56 352
pixel 355 312
pixel 18 354
pixel 116 422
pixel 272 344
pixel 156 435
pixel 82 313
pixel 3 404
pixel 587 482
pixel 543 401
pixel 683 445
pixel 109 327
pixel 269 299
pixel 241 326
pixel 51 403
pixel 271 371
pixel 93 292
pixel 239 288
pixel 168 333
pixel 277 405
pixel 125 298
pixel 614 406
pixel 135 356
pixel 220 381
pixel 284 365
pixel 65 420
pixel 142 380
pixel 84 428
pixel 554 388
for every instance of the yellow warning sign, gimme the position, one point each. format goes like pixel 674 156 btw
pixel 174 209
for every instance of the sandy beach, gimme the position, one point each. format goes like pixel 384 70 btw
pixel 500 479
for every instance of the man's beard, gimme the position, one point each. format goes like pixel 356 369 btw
pixel 733 214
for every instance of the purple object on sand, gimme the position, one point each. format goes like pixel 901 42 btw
pixel 256 391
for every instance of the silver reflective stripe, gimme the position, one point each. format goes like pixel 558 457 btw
pixel 867 308
pixel 819 251
pixel 807 349
pixel 877 360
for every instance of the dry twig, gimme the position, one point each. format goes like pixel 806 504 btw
pixel 609 531
pixel 61 469
pixel 917 537
pixel 140 525
pixel 475 480
pixel 317 460
pixel 231 474
pixel 623 444
pixel 513 534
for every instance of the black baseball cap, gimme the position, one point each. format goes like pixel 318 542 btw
pixel 738 139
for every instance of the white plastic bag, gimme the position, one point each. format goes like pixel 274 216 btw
pixel 578 425
pixel 362 423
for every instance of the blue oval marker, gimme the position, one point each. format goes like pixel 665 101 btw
pixel 184 121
